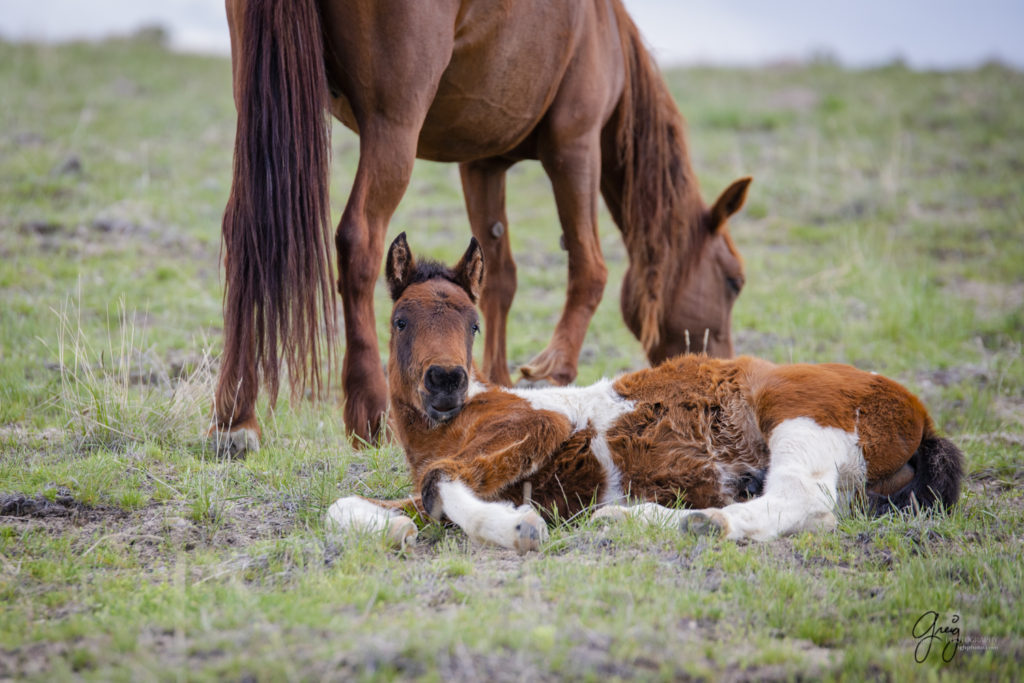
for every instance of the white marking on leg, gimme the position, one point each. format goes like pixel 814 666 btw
pixel 486 522
pixel 652 513
pixel 353 513
pixel 597 406
pixel 810 465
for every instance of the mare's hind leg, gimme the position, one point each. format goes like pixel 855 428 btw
pixel 386 159
pixel 386 62
pixel 483 184
pixel 235 429
pixel 810 467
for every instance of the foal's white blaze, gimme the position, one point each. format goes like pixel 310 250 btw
pixel 597 406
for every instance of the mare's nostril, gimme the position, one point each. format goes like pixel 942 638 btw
pixel 445 380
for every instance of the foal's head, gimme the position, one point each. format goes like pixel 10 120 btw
pixel 433 323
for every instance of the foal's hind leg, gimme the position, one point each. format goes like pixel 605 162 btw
pixel 810 467
pixel 483 184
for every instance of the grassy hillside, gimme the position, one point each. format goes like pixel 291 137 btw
pixel 885 228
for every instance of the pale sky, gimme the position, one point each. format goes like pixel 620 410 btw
pixel 925 33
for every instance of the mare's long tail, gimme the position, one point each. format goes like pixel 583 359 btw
pixel 276 231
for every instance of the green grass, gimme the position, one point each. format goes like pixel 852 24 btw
pixel 885 228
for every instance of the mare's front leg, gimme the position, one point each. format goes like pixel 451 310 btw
pixel 574 168
pixel 483 184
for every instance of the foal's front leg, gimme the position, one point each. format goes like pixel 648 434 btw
pixel 494 523
pixel 391 518
pixel 467 487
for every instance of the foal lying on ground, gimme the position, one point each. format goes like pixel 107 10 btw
pixel 694 430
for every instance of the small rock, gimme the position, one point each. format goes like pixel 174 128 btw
pixel 40 227
pixel 71 165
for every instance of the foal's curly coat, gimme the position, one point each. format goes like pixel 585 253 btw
pixel 692 430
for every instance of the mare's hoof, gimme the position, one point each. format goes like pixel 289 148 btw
pixel 531 531
pixel 401 532
pixel 550 365
pixel 702 524
pixel 234 444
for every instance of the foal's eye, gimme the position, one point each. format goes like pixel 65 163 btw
pixel 400 323
pixel 735 284
pixel 476 328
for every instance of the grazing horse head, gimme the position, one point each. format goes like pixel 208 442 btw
pixel 697 313
pixel 433 322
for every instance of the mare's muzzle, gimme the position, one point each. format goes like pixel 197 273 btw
pixel 445 392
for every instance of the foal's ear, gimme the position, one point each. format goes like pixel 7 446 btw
pixel 469 271
pixel 400 266
pixel 728 203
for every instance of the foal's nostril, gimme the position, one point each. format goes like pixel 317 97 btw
pixel 445 380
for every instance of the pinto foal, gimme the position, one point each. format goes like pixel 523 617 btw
pixel 694 430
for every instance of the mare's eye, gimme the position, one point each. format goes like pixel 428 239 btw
pixel 735 284
pixel 400 323
pixel 476 328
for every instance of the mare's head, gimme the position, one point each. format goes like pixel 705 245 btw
pixel 433 323
pixel 695 315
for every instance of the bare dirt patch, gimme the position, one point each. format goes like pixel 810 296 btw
pixel 63 504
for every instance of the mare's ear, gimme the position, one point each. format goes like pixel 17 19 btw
pixel 469 271
pixel 400 266
pixel 728 203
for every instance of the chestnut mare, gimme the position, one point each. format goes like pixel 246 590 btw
pixel 485 83
pixel 692 430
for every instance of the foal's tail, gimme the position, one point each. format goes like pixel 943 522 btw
pixel 938 470
pixel 276 230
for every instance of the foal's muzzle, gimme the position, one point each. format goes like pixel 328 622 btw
pixel 445 392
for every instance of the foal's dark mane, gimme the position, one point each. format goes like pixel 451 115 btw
pixel 659 206
pixel 428 269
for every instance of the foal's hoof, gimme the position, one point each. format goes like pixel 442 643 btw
pixel 233 444
pixel 531 531
pixel 702 524
pixel 611 513
pixel 401 532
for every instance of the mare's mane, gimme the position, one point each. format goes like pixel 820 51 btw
pixel 661 208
